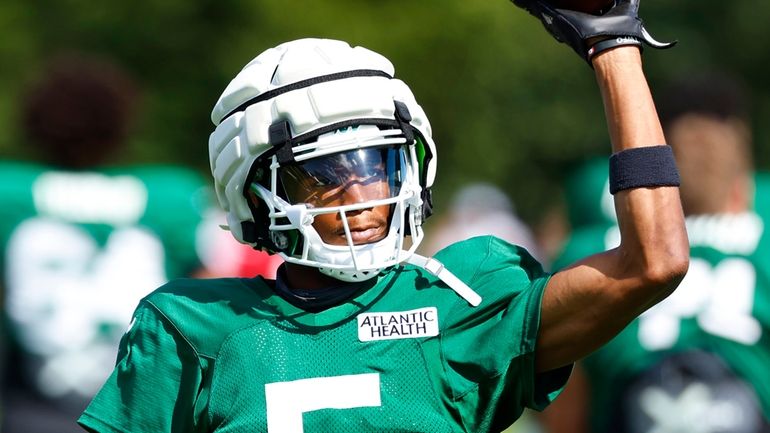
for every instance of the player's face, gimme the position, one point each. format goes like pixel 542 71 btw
pixel 347 178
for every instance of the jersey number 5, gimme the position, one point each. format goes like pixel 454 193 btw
pixel 287 401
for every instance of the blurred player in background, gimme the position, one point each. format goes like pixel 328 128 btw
pixel 696 362
pixel 83 240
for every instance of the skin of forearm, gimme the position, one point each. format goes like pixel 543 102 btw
pixel 632 120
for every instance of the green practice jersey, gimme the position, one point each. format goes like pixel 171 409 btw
pixel 80 248
pixel 406 355
pixel 721 308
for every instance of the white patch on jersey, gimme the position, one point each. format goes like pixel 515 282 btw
pixel 418 323
pixel 90 197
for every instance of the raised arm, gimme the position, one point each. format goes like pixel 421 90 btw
pixel 591 301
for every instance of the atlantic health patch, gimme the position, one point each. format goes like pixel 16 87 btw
pixel 418 323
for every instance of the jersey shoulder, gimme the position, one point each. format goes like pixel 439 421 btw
pixel 206 311
pixel 491 266
pixel 478 253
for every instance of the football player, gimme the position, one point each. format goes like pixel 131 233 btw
pixel 83 240
pixel 320 155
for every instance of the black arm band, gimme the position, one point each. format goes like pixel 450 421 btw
pixel 642 167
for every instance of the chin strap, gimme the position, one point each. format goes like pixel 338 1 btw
pixel 436 268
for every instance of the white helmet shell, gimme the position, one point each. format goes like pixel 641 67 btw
pixel 315 87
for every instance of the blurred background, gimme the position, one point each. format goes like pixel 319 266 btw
pixel 493 84
pixel 513 113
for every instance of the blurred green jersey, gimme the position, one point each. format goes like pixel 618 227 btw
pixel 80 248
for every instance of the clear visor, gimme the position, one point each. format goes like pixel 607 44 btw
pixel 345 178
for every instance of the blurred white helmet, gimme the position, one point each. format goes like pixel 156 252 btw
pixel 303 107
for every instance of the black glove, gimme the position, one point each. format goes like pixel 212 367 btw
pixel 619 25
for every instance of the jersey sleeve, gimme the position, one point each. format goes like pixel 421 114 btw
pixel 489 350
pixel 154 385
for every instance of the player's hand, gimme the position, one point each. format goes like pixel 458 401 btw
pixel 589 34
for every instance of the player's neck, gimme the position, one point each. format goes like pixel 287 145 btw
pixel 307 278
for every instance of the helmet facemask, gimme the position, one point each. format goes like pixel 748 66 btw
pixel 346 202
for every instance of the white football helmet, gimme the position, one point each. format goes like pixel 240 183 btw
pixel 303 101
